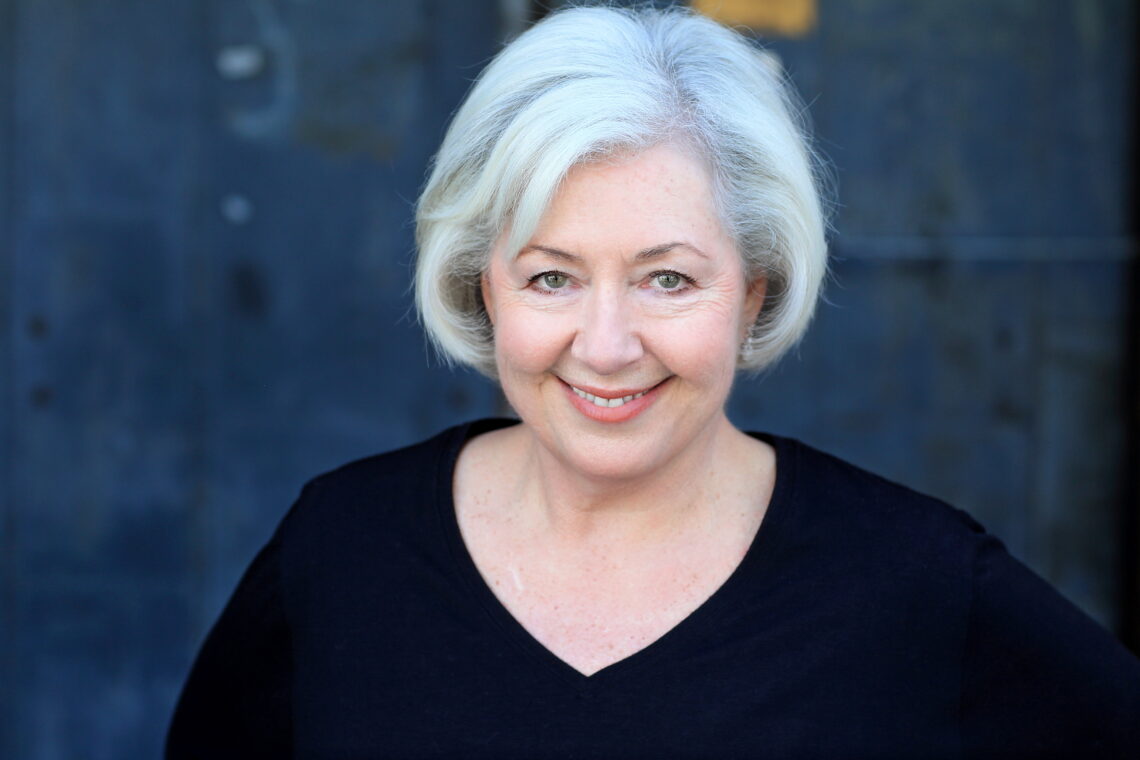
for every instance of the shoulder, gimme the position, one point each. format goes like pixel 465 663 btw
pixel 381 472
pixel 870 518
pixel 917 571
pixel 893 567
pixel 392 472
pixel 825 476
pixel 379 491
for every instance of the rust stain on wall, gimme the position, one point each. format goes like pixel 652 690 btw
pixel 789 18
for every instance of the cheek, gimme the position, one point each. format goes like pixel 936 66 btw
pixel 526 341
pixel 702 346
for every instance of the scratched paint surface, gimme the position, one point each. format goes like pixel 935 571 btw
pixel 205 226
pixel 206 258
pixel 971 343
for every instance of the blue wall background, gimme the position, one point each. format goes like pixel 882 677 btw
pixel 204 220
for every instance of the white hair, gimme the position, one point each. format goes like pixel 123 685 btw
pixel 586 83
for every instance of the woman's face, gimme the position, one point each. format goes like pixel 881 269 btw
pixel 618 325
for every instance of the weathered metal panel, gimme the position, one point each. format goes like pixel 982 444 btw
pixel 973 118
pixel 989 139
pixel 181 373
pixel 991 384
pixel 973 341
pixel 317 357
pixel 189 359
pixel 101 396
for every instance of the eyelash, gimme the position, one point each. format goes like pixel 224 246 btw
pixel 685 284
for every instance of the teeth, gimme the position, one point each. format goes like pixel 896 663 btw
pixel 606 402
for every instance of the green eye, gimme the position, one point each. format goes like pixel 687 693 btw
pixel 554 280
pixel 668 280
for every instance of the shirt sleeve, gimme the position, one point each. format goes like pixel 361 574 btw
pixel 237 699
pixel 1040 678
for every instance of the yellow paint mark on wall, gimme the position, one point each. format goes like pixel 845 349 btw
pixel 790 18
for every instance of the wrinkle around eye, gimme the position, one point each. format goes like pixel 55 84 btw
pixel 526 297
pixel 533 295
pixel 718 295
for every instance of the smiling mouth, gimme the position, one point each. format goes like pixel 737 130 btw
pixel 609 403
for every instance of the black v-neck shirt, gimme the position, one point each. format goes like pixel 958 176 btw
pixel 865 621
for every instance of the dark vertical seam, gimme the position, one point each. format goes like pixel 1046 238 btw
pixel 1128 564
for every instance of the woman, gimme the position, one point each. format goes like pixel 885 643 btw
pixel 622 215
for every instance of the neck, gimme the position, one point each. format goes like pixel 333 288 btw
pixel 569 505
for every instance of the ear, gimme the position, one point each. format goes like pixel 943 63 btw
pixel 753 302
pixel 488 300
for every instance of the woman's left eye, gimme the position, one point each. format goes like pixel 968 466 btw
pixel 668 280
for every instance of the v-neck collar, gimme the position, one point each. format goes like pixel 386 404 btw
pixel 752 567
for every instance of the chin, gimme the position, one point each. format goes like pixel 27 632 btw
pixel 612 459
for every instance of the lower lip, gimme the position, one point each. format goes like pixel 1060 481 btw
pixel 623 413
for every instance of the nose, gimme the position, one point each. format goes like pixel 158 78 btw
pixel 607 340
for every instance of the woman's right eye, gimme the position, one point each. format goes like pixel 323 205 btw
pixel 553 280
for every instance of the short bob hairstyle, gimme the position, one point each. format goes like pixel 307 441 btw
pixel 587 83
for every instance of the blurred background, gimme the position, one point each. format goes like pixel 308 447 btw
pixel 205 248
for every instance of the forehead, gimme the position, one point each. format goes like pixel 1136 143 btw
pixel 634 201
pixel 667 166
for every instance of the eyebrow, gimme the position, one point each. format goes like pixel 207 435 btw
pixel 642 255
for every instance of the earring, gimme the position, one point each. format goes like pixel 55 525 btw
pixel 747 347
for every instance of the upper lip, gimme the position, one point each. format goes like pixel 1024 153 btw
pixel 613 392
